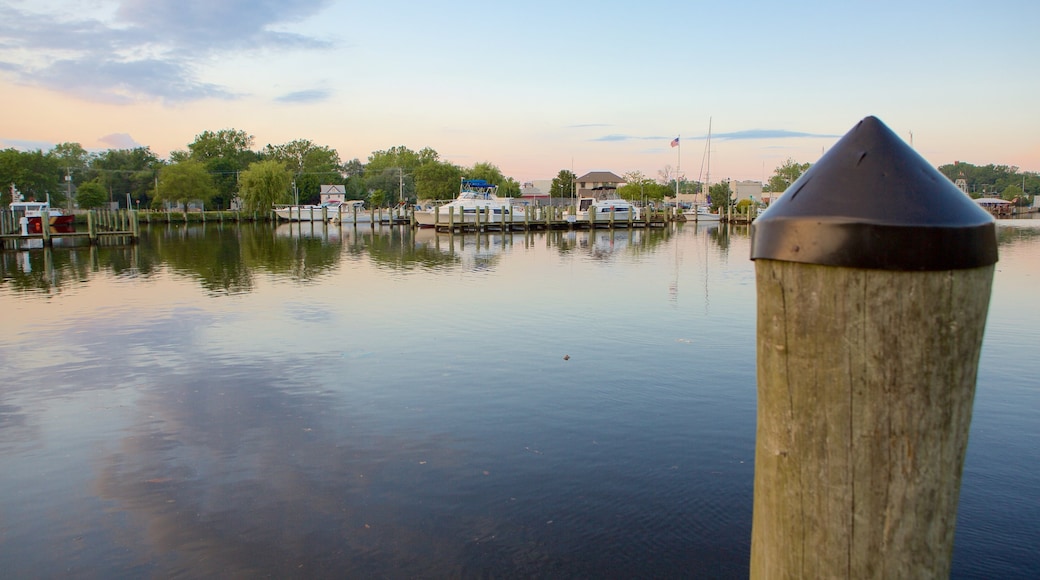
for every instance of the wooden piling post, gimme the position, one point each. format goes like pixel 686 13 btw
pixel 45 227
pixel 91 227
pixel 873 276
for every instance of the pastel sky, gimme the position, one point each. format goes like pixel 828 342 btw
pixel 533 86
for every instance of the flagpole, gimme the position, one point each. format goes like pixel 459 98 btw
pixel 678 167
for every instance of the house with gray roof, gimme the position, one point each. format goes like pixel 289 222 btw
pixel 598 184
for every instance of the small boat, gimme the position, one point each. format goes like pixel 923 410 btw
pixel 308 213
pixel 603 209
pixel 474 195
pixel 700 213
pixel 351 211
pixel 33 210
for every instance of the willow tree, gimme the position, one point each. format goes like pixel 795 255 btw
pixel 264 184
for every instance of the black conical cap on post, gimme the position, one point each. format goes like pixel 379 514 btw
pixel 873 202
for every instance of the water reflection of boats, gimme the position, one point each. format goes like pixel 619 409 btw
pixel 603 243
pixel 315 229
pixel 474 195
pixel 476 251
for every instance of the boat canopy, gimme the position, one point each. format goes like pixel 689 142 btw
pixel 476 183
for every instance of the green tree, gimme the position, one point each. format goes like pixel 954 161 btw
pixel 225 154
pixel 1012 193
pixel 385 170
pixel 179 156
pixel 635 186
pixel 399 157
pixel 719 194
pixel 785 174
pixel 507 186
pixel 563 184
pixel 437 181
pixel 311 165
pixel 486 171
pixel 126 171
pixel 35 175
pixel 230 144
pixel 355 187
pixel 264 184
pixel 10 172
pixel 393 182
pixel 991 179
pixel 185 182
pixel 354 168
pixel 91 195
pixel 74 159
pixel 658 191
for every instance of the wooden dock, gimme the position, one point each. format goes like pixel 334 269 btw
pixel 103 227
pixel 541 219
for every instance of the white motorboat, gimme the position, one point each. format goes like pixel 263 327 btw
pixel 308 213
pixel 700 213
pixel 602 210
pixel 475 195
pixel 352 211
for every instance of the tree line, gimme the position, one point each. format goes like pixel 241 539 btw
pixel 1004 181
pixel 220 166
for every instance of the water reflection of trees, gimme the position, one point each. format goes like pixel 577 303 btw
pixel 225 258
pixel 54 269
pixel 471 251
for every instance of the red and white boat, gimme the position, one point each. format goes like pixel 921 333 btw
pixel 33 211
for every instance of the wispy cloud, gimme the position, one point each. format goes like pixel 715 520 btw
pixel 733 136
pixel 617 137
pixel 308 96
pixel 768 134
pixel 146 49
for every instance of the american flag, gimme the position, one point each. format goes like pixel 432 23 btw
pixel 675 142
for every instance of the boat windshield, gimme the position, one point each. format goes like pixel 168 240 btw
pixel 28 206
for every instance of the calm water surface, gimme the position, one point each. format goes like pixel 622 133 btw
pixel 225 401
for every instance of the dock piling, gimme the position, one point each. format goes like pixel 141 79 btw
pixel 868 341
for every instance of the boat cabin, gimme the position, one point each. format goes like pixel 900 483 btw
pixel 30 208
